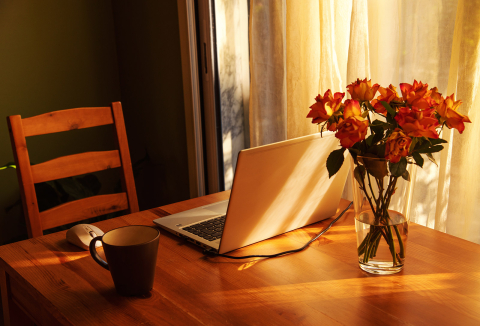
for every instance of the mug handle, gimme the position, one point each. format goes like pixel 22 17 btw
pixel 94 253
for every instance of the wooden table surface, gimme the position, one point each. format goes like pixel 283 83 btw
pixel 58 284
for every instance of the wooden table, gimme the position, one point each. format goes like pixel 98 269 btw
pixel 54 283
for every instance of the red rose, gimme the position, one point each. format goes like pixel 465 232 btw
pixel 325 106
pixel 416 95
pixel 386 94
pixel 418 123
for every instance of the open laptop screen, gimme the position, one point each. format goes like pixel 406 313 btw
pixel 281 187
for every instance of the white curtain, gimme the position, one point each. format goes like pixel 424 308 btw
pixel 299 49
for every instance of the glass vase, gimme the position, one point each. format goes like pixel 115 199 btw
pixel 382 206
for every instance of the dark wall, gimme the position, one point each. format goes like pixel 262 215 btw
pixel 54 55
pixel 57 55
pixel 148 48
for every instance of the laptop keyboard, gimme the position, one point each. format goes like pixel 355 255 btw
pixel 210 230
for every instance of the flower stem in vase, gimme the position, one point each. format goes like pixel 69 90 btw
pixel 382 225
pixel 387 136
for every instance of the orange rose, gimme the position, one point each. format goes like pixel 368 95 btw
pixel 325 106
pixel 362 90
pixel 332 126
pixel 386 94
pixel 352 130
pixel 416 95
pixel 435 97
pixel 352 108
pixel 397 145
pixel 418 123
pixel 447 109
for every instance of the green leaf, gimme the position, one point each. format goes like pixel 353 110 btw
pixel 433 149
pixel 421 144
pixel 378 123
pixel 413 144
pixel 369 139
pixel 359 174
pixel 357 146
pixel 335 161
pixel 406 175
pixel 377 150
pixel 376 129
pixel 437 141
pixel 354 152
pixel 418 159
pixel 399 168
pixel 391 121
pixel 430 157
pixel 388 108
pixel 365 114
pixel 378 136
pixel 425 143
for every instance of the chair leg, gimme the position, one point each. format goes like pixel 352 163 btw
pixel 12 313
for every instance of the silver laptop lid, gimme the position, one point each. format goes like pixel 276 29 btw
pixel 281 187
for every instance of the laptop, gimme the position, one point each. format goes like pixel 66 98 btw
pixel 277 188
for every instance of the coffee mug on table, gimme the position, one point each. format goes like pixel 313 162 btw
pixel 131 253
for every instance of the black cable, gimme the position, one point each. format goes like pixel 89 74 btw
pixel 215 254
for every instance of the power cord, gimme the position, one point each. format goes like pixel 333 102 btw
pixel 215 254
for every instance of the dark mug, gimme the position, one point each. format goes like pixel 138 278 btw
pixel 131 253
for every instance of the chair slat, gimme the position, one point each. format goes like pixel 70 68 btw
pixel 82 209
pixel 65 120
pixel 77 164
pixel 72 165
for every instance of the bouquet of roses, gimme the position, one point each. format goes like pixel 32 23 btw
pixel 409 125
pixel 383 135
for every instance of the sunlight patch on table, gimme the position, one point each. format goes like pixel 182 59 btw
pixel 346 288
pixel 49 259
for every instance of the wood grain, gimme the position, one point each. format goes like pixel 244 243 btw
pixel 25 178
pixel 322 285
pixel 77 164
pixel 128 183
pixel 65 120
pixel 83 208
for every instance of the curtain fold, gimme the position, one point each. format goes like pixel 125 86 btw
pixel 358 65
pixel 458 203
pixel 302 53
pixel 300 49
pixel 268 101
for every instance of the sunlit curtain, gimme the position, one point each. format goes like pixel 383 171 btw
pixel 301 48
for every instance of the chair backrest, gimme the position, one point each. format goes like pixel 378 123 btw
pixel 72 165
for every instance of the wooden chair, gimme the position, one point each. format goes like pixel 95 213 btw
pixel 71 165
